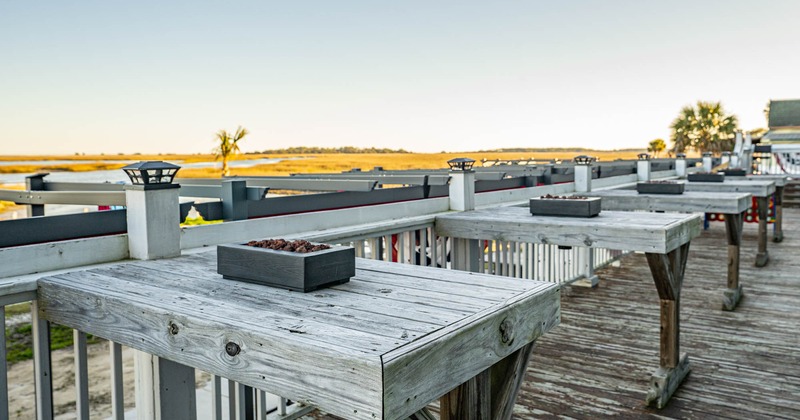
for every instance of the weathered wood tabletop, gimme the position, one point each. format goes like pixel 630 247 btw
pixel 762 190
pixel 732 205
pixel 664 237
pixel 384 345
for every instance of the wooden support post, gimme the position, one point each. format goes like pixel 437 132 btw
pixel 668 271
pixel 506 379
pixel 490 394
pixel 164 389
pixel 468 401
pixel 733 232
pixel 762 258
pixel 777 236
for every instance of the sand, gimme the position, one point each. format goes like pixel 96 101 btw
pixel 21 388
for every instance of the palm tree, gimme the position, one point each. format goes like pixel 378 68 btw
pixel 228 146
pixel 705 128
pixel 656 146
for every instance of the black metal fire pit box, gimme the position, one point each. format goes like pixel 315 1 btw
pixel 706 177
pixel 288 270
pixel 588 207
pixel 660 187
pixel 735 172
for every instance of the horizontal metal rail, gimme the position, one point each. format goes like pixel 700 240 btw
pixel 289 183
pixel 96 198
pixel 59 228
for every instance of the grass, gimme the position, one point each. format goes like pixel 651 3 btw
pixel 311 163
pixel 321 163
pixel 19 341
pixel 8 205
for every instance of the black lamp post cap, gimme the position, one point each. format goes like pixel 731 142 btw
pixel 461 164
pixel 153 174
pixel 643 156
pixel 583 160
pixel 707 154
pixel 681 155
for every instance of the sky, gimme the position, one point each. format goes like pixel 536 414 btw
pixel 427 76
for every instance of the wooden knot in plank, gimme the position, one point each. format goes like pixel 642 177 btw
pixel 506 331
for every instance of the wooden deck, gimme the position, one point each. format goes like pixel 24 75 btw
pixel 745 364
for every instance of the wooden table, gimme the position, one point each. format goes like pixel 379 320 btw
pixel 384 345
pixel 664 237
pixel 780 183
pixel 732 205
pixel 761 190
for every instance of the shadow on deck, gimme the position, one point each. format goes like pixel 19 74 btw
pixel 745 364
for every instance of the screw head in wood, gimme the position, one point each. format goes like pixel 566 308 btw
pixel 232 349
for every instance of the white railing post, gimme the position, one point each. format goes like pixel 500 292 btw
pixel 643 168
pixel 153 221
pixel 467 253
pixel 708 165
pixel 680 164
pixel 583 173
pixel 164 389
pixel 583 183
pixel 747 153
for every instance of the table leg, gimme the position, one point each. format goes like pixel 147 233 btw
pixel 668 270
pixel 423 414
pixel 777 236
pixel 763 213
pixel 733 232
pixel 492 393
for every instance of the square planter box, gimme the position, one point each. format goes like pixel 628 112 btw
pixel 589 207
pixel 287 270
pixel 735 172
pixel 660 188
pixel 706 177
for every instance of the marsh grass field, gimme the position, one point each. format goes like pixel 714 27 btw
pixel 295 163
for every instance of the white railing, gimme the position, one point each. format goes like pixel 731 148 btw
pixel 400 232
pixel 778 162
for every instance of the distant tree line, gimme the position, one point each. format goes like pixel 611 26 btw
pixel 319 150
pixel 549 150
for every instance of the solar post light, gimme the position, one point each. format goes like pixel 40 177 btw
pixel 461 164
pixel 152 175
pixel 583 160
pixel 643 156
